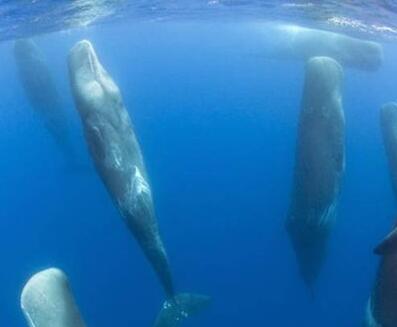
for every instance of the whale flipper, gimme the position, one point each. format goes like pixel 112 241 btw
pixel 180 307
pixel 47 301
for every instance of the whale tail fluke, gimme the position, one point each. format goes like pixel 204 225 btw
pixel 180 307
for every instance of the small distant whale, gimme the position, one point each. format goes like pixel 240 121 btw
pixel 382 305
pixel 388 124
pixel 118 160
pixel 319 165
pixel 42 93
pixel 47 301
pixel 299 43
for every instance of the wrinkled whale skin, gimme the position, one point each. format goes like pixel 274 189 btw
pixel 47 301
pixel 292 42
pixel 116 153
pixel 319 165
pixel 388 124
pixel 382 305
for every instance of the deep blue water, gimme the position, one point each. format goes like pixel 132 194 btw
pixel 217 125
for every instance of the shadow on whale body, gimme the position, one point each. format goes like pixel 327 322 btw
pixel 116 154
pixel 293 42
pixel 388 124
pixel 43 96
pixel 319 165
pixel 381 309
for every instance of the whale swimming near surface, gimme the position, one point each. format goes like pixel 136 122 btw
pixel 42 93
pixel 293 42
pixel 381 309
pixel 319 165
pixel 47 301
pixel 388 123
pixel 116 154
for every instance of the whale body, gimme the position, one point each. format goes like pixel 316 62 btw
pixel 116 154
pixel 294 42
pixel 388 123
pixel 319 165
pixel 382 305
pixel 42 93
pixel 47 301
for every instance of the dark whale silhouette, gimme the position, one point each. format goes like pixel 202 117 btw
pixel 43 95
pixel 118 160
pixel 388 124
pixel 382 304
pixel 319 165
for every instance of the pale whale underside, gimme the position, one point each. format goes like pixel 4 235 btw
pixel 319 165
pixel 300 43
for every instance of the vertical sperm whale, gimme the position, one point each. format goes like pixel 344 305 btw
pixel 116 154
pixel 47 301
pixel 382 304
pixel 388 124
pixel 42 93
pixel 319 165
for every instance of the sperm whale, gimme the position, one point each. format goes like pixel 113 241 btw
pixel 382 305
pixel 42 93
pixel 47 301
pixel 118 159
pixel 388 124
pixel 319 165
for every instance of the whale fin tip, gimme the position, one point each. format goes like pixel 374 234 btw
pixel 388 245
pixel 180 307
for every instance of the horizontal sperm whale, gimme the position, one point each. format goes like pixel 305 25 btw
pixel 388 124
pixel 47 301
pixel 382 305
pixel 42 93
pixel 319 165
pixel 294 42
pixel 117 156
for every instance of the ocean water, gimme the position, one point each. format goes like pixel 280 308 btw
pixel 217 123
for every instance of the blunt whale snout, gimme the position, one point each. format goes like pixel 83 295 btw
pixel 48 301
pixel 93 84
pixel 83 56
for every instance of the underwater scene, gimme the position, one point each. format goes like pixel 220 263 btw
pixel 198 163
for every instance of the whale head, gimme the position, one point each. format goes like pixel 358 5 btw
pixel 92 86
pixel 47 301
